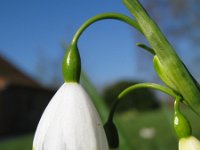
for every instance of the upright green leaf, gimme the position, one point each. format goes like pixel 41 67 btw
pixel 176 74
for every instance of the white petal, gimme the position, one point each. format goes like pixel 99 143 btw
pixel 47 118
pixel 189 143
pixel 70 122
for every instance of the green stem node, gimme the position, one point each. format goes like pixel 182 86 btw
pixel 71 67
pixel 181 124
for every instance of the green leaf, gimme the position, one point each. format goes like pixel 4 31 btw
pixel 170 63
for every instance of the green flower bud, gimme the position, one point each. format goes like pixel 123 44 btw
pixel 181 124
pixel 111 134
pixel 71 67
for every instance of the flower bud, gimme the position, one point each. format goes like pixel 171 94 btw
pixel 111 134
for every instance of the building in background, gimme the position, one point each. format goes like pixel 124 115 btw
pixel 22 100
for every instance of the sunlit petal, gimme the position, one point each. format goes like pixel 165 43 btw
pixel 70 122
pixel 189 143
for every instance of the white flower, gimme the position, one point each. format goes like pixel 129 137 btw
pixel 189 143
pixel 70 122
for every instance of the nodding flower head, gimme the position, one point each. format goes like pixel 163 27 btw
pixel 70 122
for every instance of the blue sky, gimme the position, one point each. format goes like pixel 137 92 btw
pixel 32 34
pixel 32 31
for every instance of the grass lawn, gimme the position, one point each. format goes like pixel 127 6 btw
pixel 149 130
pixel 20 143
pixel 154 130
pixel 146 131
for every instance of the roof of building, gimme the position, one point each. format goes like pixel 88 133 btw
pixel 11 74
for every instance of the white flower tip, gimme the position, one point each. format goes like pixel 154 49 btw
pixel 70 122
pixel 189 143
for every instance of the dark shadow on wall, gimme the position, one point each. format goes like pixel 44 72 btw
pixel 21 108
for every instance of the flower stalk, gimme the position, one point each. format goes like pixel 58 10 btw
pixel 115 16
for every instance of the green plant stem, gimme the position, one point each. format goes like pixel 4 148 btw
pixel 176 104
pixel 139 86
pixel 148 85
pixel 96 18
pixel 112 111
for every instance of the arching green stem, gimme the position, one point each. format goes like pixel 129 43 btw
pixel 71 67
pixel 96 18
pixel 139 86
pixel 110 127
pixel 112 111
pixel 148 85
